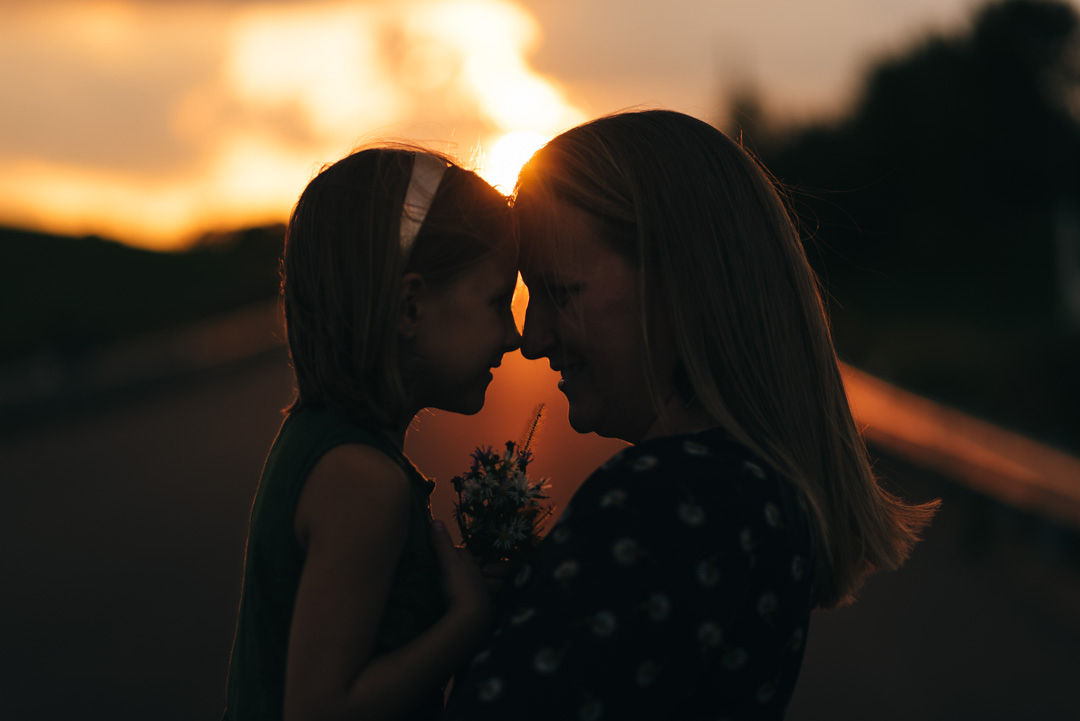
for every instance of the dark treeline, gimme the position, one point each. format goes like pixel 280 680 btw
pixel 65 296
pixel 938 209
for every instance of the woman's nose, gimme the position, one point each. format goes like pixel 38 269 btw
pixel 512 340
pixel 538 335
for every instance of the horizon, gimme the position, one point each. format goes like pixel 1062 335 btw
pixel 197 118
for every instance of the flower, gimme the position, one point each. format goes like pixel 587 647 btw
pixel 498 509
pixel 709 634
pixel 490 689
pixel 658 607
pixel 546 661
pixel 708 574
pixel 625 551
pixel 604 624
pixel 566 570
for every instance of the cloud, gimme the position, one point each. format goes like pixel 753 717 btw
pixel 94 84
pixel 151 121
pixel 154 121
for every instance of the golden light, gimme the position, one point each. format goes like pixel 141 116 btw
pixel 491 39
pixel 322 60
pixel 520 303
pixel 502 164
pixel 242 102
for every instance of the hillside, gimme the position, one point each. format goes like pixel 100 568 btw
pixel 66 295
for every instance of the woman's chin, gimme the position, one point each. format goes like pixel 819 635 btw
pixel 607 427
pixel 581 420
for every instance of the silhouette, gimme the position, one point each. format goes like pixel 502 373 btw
pixel 75 294
pixel 933 211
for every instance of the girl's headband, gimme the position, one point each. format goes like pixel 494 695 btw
pixel 427 173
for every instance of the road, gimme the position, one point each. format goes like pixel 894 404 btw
pixel 123 533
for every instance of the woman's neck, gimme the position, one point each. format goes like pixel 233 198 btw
pixel 676 418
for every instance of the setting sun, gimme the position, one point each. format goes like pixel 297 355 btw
pixel 503 162
pixel 219 114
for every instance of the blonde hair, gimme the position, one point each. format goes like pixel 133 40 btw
pixel 717 250
pixel 343 266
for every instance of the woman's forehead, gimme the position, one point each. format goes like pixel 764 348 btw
pixel 553 237
pixel 542 219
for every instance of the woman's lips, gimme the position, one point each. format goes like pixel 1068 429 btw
pixel 569 373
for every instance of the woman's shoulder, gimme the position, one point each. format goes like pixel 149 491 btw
pixel 703 457
pixel 694 476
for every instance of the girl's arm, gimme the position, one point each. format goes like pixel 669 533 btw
pixel 352 518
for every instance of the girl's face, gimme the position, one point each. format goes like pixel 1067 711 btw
pixel 584 316
pixel 463 331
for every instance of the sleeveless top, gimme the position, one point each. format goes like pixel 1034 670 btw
pixel 274 561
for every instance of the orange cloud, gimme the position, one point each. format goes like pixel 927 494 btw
pixel 153 122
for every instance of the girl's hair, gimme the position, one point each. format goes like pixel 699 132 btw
pixel 343 266
pixel 717 251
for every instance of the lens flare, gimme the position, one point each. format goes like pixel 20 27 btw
pixel 197 117
pixel 507 155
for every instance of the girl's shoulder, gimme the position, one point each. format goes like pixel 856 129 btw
pixel 314 425
pixel 352 485
pixel 309 437
pixel 312 432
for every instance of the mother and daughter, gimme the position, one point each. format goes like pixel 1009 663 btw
pixel 669 288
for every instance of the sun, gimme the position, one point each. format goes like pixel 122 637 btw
pixel 507 155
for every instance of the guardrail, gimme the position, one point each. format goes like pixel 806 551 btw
pixel 1006 466
pixel 43 386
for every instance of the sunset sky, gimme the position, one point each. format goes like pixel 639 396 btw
pixel 153 122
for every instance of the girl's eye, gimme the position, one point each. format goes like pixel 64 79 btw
pixel 505 300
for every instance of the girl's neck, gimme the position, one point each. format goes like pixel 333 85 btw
pixel 395 436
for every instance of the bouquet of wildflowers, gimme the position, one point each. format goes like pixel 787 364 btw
pixel 499 509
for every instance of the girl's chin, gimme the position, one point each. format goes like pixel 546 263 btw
pixel 471 405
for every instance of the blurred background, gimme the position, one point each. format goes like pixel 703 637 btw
pixel 150 153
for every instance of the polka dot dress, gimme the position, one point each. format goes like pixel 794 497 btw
pixel 675 585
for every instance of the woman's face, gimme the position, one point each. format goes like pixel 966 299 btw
pixel 584 316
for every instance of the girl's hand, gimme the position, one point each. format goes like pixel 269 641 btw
pixel 464 586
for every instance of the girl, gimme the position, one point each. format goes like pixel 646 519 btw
pixel 399 269
pixel 670 290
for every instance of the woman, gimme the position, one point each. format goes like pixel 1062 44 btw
pixel 669 288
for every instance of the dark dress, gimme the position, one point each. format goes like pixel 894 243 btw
pixel 274 561
pixel 676 585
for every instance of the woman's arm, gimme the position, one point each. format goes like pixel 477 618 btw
pixel 352 518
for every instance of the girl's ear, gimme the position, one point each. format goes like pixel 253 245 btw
pixel 412 293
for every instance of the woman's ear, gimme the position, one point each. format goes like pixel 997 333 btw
pixel 412 295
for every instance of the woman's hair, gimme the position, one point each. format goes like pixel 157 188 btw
pixel 343 267
pixel 717 251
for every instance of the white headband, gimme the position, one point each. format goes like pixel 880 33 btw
pixel 427 173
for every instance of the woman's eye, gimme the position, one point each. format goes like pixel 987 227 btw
pixel 561 294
